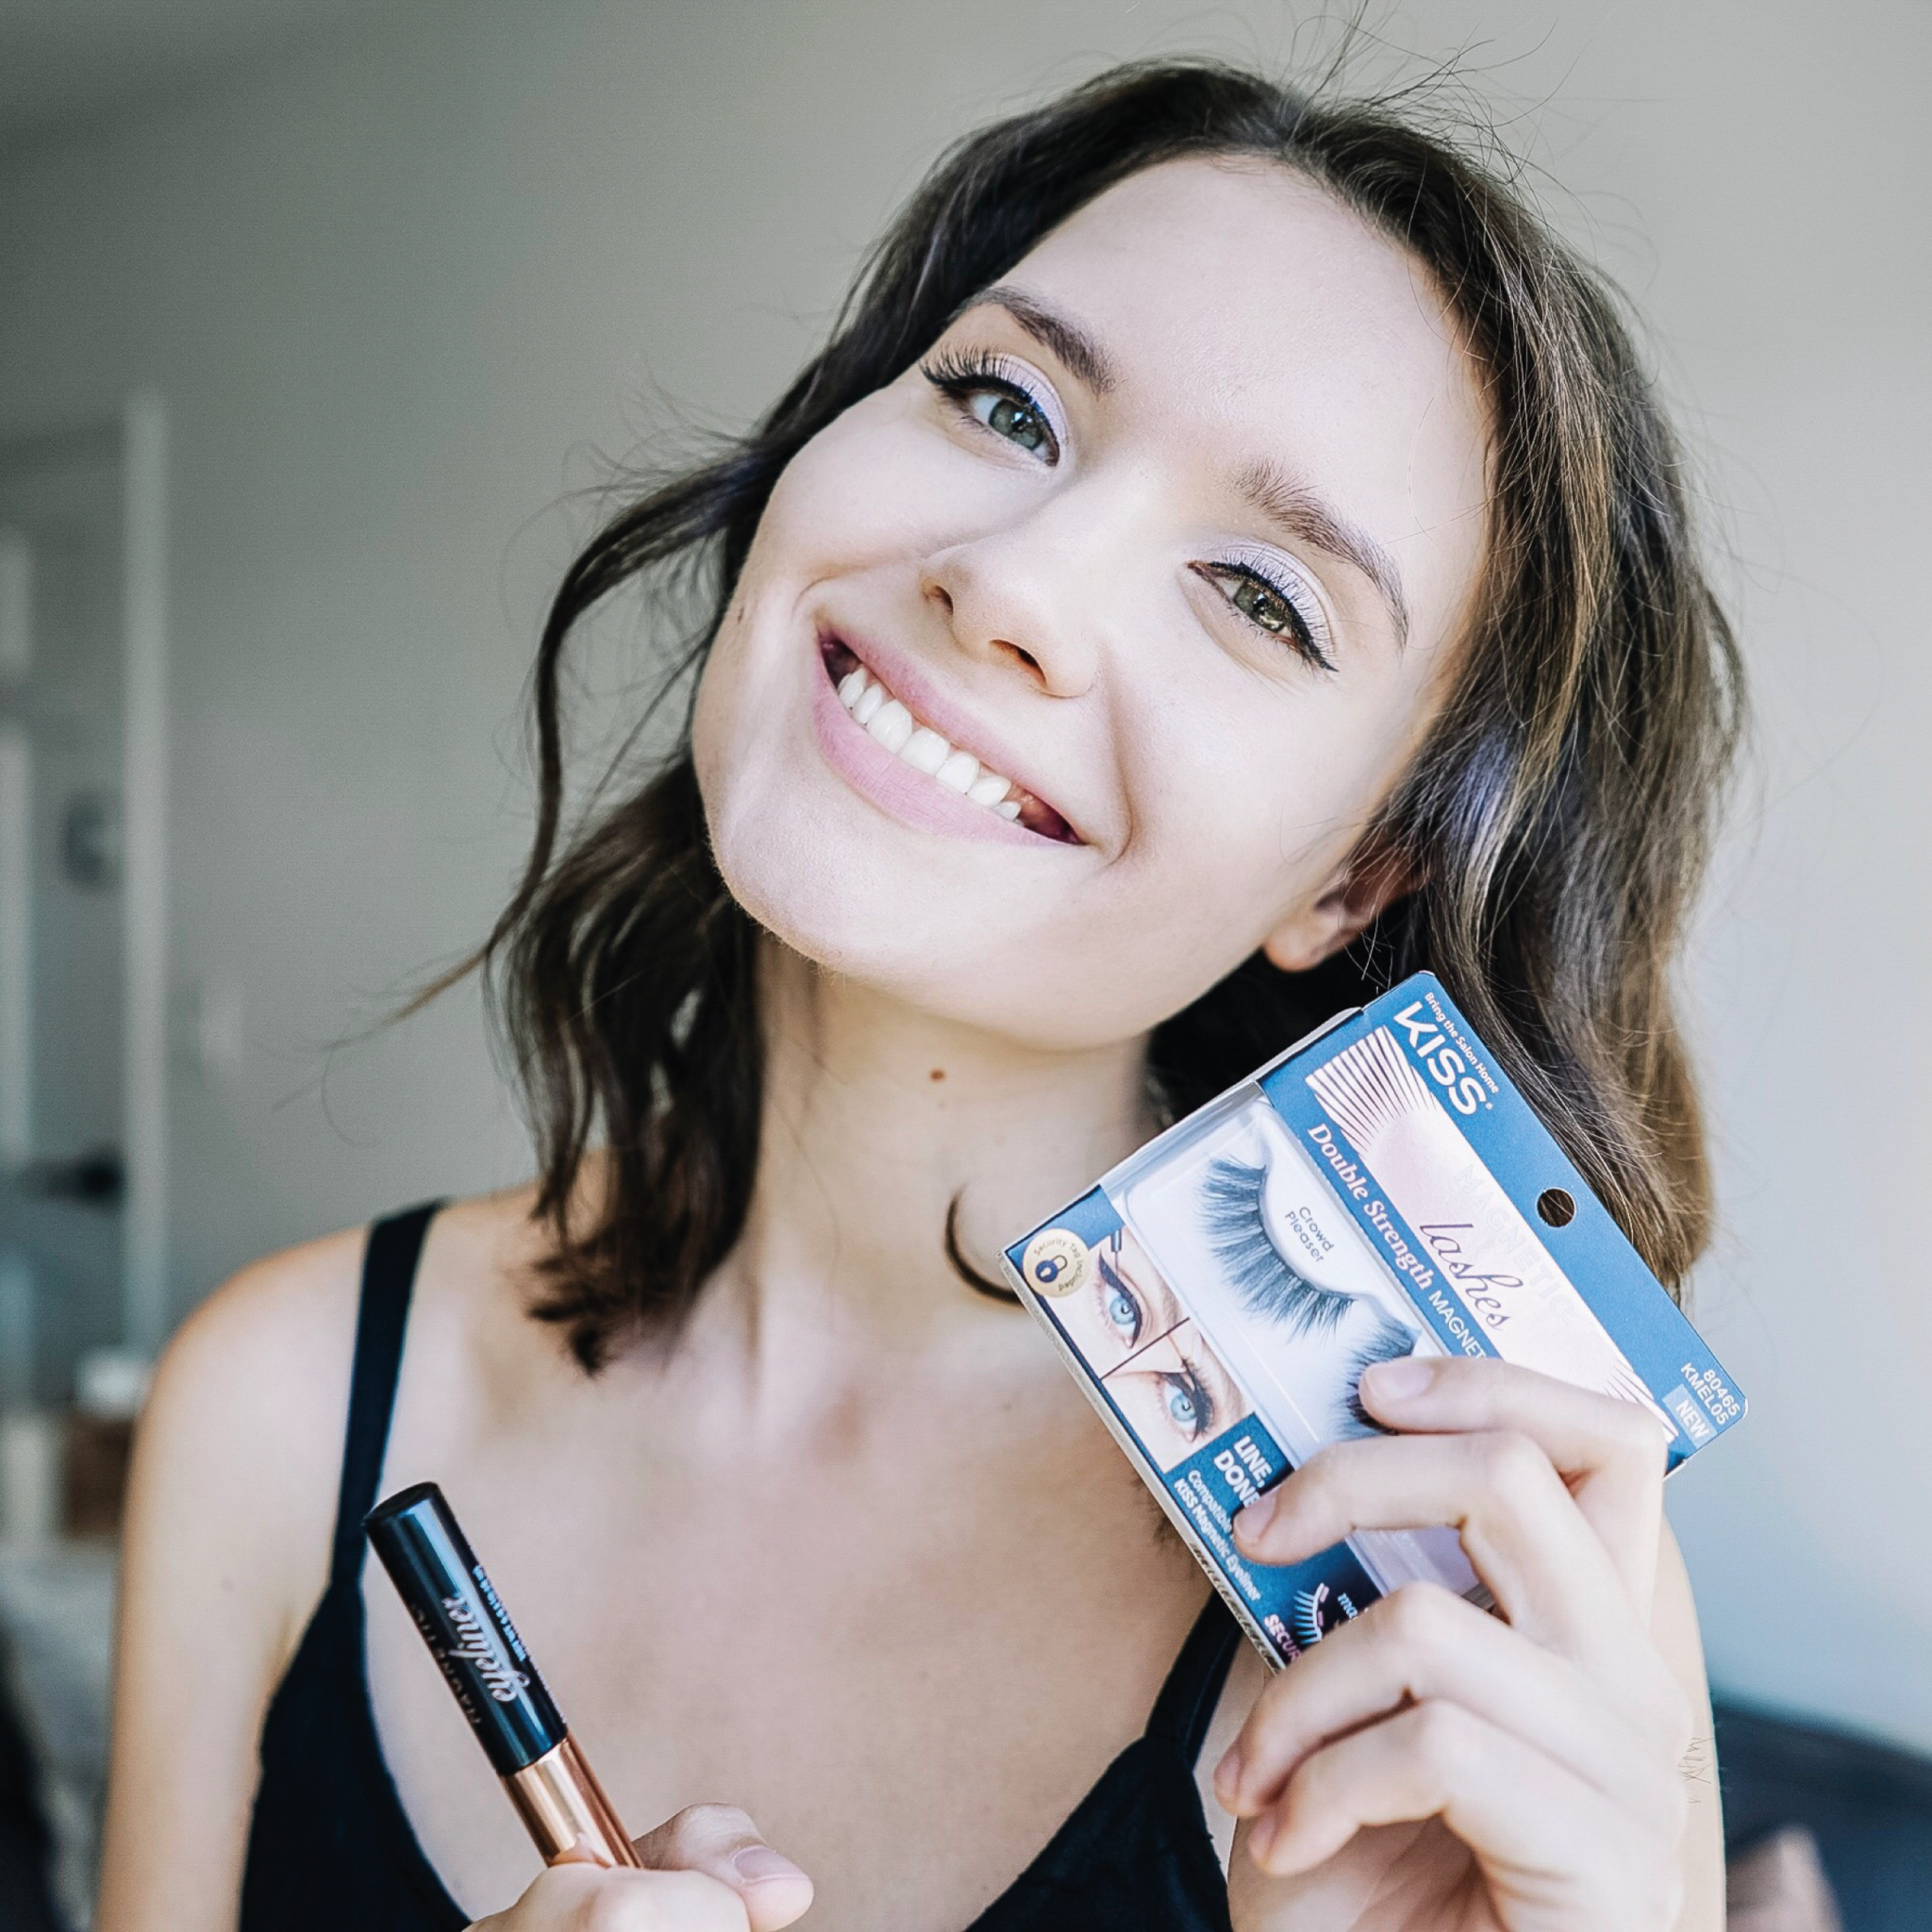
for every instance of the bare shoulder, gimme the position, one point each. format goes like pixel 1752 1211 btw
pixel 280 1308
pixel 241 1436
pixel 470 1324
pixel 225 1549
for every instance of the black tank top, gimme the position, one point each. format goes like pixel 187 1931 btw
pixel 331 1847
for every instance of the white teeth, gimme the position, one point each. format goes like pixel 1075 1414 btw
pixel 888 721
pixel 892 725
pixel 959 771
pixel 926 751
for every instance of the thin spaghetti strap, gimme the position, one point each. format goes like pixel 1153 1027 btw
pixel 389 1273
pixel 1185 1708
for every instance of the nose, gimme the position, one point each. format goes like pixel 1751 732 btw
pixel 1022 598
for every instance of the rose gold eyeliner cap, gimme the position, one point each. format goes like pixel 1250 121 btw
pixel 565 1811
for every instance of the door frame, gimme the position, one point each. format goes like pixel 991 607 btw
pixel 144 787
pixel 138 432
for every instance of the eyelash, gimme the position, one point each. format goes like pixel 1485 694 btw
pixel 1231 1200
pixel 1112 1283
pixel 1190 1386
pixel 1231 1206
pixel 1303 637
pixel 960 375
pixel 1388 1343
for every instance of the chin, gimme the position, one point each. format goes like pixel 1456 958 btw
pixel 926 919
pixel 814 888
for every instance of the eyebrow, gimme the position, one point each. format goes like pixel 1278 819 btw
pixel 1303 515
pixel 1076 349
pixel 1297 511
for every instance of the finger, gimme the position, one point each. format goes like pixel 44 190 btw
pixel 1418 1644
pixel 594 1898
pixel 720 1842
pixel 1535 1828
pixel 1610 1453
pixel 1519 1526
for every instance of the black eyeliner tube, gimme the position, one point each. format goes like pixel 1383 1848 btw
pixel 494 1678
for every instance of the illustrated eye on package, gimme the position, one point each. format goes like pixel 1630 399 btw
pixel 1379 1191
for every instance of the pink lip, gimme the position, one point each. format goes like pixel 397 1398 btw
pixel 893 785
pixel 907 679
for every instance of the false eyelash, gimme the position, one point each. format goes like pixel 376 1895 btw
pixel 1391 1341
pixel 957 373
pixel 1309 638
pixel 958 369
pixel 1231 1206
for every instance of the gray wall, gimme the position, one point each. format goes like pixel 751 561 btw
pixel 398 289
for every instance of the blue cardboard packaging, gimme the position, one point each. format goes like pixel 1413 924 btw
pixel 1379 1190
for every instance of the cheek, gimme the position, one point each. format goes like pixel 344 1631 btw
pixel 1246 803
pixel 863 495
pixel 718 709
pixel 806 533
pixel 1249 798
pixel 879 486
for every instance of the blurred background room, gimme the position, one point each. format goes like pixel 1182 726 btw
pixel 323 322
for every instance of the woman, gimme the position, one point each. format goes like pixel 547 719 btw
pixel 1271 574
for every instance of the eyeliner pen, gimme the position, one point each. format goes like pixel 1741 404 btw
pixel 483 1659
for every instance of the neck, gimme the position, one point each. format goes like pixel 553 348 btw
pixel 877 1118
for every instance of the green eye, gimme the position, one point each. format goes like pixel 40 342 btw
pixel 977 385
pixel 1016 420
pixel 1271 611
pixel 1265 606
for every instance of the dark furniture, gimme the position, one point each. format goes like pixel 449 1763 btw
pixel 26 1897
pixel 1867 1805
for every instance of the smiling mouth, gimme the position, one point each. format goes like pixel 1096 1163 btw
pixel 895 727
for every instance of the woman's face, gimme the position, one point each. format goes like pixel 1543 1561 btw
pixel 1140 590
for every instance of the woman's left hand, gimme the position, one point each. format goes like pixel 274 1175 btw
pixel 1428 1765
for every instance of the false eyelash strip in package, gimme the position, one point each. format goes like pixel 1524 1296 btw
pixel 1379 1191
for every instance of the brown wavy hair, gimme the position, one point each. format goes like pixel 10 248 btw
pixel 1557 818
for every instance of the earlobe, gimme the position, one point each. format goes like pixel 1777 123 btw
pixel 1301 943
pixel 1367 886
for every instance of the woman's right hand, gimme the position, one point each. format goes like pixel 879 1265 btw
pixel 706 1869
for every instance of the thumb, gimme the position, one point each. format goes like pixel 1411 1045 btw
pixel 721 1841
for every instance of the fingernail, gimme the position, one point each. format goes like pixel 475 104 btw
pixel 1227 1777
pixel 1398 1380
pixel 758 1862
pixel 1253 1522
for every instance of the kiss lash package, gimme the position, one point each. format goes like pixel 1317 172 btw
pixel 1379 1191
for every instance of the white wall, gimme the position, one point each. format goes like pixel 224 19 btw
pixel 394 290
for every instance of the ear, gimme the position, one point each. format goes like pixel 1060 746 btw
pixel 1353 899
